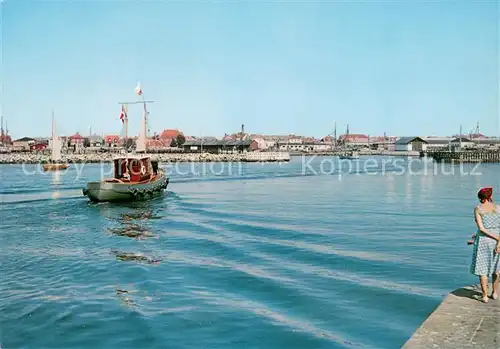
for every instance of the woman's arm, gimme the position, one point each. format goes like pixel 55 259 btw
pixel 479 223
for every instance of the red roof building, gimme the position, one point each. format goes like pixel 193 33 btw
pixel 76 139
pixel 111 140
pixel 170 134
pixel 355 139
pixel 153 144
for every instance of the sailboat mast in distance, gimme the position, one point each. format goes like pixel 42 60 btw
pixel 56 147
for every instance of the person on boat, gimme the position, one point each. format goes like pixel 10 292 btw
pixel 154 165
pixel 486 253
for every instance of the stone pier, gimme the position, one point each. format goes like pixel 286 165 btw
pixel 460 321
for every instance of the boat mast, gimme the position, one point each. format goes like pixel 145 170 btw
pixel 146 114
pixel 143 126
pixel 125 108
pixel 143 135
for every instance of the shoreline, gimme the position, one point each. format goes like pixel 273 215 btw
pixel 33 159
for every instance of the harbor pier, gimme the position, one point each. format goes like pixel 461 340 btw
pixel 471 156
pixel 460 321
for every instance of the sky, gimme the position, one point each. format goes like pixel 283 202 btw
pixel 408 68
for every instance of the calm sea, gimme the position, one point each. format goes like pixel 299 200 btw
pixel 297 255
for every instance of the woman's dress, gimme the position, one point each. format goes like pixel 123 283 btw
pixel 484 259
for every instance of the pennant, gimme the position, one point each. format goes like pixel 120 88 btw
pixel 138 89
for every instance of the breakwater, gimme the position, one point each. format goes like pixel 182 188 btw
pixel 21 158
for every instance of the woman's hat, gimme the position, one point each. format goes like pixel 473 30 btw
pixel 485 193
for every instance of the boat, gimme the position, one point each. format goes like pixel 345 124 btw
pixel 136 176
pixel 55 163
pixel 353 155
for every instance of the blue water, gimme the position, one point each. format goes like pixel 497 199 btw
pixel 253 256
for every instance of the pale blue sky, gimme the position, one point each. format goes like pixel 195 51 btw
pixel 411 68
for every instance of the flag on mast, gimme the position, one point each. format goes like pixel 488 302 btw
pixel 138 89
pixel 123 115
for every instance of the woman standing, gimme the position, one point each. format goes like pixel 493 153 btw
pixel 486 255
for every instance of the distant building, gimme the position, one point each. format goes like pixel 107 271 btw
pixel 355 140
pixel 262 143
pixel 170 134
pixel 438 143
pixel 487 142
pixel 410 144
pixel 158 144
pixel 218 146
pixel 319 146
pixel 96 141
pixel 472 136
pixel 23 144
pixel 292 145
pixel 76 142
pixel 462 143
pixel 112 141
pixel 383 143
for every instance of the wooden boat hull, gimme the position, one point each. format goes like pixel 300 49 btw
pixel 106 191
pixel 54 167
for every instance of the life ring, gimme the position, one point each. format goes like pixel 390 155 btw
pixel 143 170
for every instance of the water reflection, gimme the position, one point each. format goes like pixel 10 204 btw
pixel 132 231
pixel 139 215
pixel 131 220
pixel 409 190
pixel 134 257
pixel 124 297
pixel 56 177
pixel 390 190
pixel 426 185
pixel 56 180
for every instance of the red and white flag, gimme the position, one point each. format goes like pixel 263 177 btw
pixel 123 115
pixel 138 89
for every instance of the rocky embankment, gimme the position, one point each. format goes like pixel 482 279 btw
pixel 23 158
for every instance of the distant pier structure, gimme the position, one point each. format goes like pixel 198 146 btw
pixel 471 156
